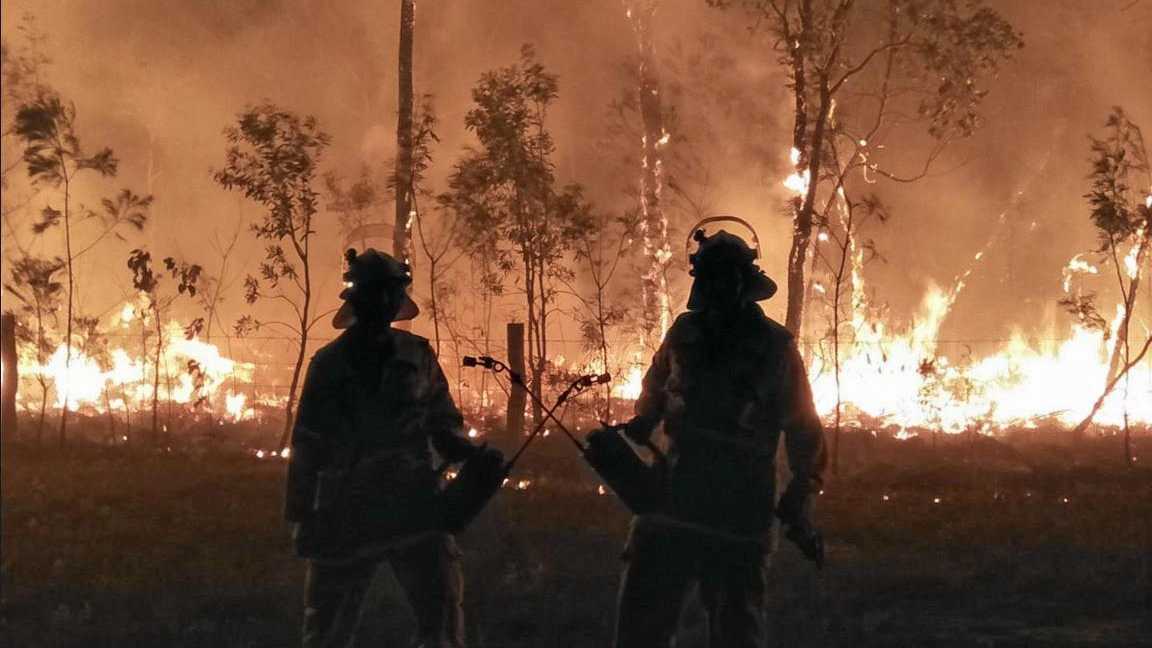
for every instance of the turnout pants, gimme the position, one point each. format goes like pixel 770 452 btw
pixel 663 562
pixel 428 571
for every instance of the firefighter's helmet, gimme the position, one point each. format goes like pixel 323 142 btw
pixel 726 249
pixel 373 270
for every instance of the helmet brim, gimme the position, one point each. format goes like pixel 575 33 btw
pixel 346 315
pixel 758 287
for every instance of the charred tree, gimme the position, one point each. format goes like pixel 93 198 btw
pixel 401 245
pixel 656 309
pixel 923 60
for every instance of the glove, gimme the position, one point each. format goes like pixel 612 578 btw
pixel 794 510
pixel 795 506
pixel 639 429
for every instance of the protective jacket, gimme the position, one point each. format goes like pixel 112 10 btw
pixel 725 390
pixel 370 404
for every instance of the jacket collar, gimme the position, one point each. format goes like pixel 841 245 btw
pixel 398 346
pixel 751 324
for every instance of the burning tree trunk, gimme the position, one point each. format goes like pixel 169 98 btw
pixel 653 224
pixel 808 160
pixel 403 170
pixel 938 53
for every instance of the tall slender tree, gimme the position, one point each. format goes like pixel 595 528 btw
pixel 506 192
pixel 656 312
pixel 402 173
pixel 272 158
pixel 1122 214
pixel 54 157
pixel 874 65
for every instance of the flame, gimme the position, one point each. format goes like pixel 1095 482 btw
pixel 629 388
pixel 124 380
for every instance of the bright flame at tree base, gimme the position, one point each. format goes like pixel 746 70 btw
pixel 908 381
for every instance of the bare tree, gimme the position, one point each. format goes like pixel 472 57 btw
pixel 600 253
pixel 653 224
pixel 876 66
pixel 402 177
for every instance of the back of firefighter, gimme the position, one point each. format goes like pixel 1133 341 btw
pixel 725 382
pixel 362 488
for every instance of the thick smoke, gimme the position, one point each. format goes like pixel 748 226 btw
pixel 158 81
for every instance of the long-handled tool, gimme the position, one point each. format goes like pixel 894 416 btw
pixel 638 484
pixel 481 476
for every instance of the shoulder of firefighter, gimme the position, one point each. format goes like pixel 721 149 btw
pixel 334 411
pixel 744 389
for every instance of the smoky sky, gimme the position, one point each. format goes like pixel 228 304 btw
pixel 158 81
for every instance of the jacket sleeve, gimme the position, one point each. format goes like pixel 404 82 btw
pixel 651 404
pixel 803 431
pixel 309 448
pixel 445 424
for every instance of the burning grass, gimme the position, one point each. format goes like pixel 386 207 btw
pixel 939 546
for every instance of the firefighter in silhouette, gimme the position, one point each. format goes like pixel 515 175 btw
pixel 361 486
pixel 725 382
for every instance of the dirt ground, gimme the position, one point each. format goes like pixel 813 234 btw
pixel 995 546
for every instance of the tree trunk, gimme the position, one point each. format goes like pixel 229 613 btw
pixel 305 327
pixel 1121 351
pixel 43 410
pixel 654 226
pixel 11 376
pixel 403 171
pixel 63 436
pixel 803 216
pixel 156 379
pixel 435 303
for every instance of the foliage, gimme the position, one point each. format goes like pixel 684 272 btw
pixel 148 281
pixel 272 157
pixel 861 75
pixel 352 202
pixel 506 195
pixel 47 127
pixel 1120 211
pixel 1122 215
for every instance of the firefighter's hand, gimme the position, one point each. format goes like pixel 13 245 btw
pixel 639 430
pixel 795 506
pixel 810 542
pixel 794 510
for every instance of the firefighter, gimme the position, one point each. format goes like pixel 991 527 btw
pixel 725 382
pixel 361 486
